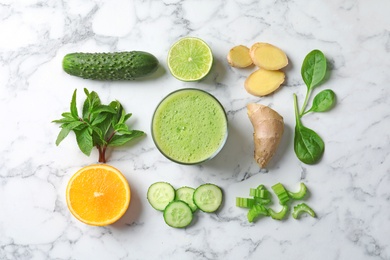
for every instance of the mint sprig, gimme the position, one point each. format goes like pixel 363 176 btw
pixel 99 126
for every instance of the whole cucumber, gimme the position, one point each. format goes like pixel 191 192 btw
pixel 110 66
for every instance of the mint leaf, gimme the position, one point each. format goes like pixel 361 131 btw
pixel 94 100
pixel 73 125
pixel 118 140
pixel 98 119
pixel 97 137
pixel 84 140
pixel 86 111
pixel 121 128
pixel 114 104
pixel 120 114
pixel 103 108
pixel 67 115
pixel 105 125
pixel 127 116
pixel 73 106
pixel 64 120
pixel 86 105
pixel 61 136
pixel 90 104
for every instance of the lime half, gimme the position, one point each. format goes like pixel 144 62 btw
pixel 190 59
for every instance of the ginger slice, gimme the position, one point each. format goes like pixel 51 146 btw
pixel 239 57
pixel 268 56
pixel 268 128
pixel 264 82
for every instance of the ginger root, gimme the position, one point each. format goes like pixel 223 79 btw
pixel 268 129
pixel 239 57
pixel 264 82
pixel 268 56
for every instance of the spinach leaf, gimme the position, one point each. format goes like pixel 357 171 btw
pixel 323 101
pixel 313 69
pixel 308 145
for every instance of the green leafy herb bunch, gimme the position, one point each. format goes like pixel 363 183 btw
pixel 98 125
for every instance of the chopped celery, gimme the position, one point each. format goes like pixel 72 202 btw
pixel 261 197
pixel 262 201
pixel 261 187
pixel 256 211
pixel 245 202
pixel 300 194
pixel 281 192
pixel 259 193
pixel 278 215
pixel 303 208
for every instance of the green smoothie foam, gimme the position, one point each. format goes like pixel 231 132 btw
pixel 189 126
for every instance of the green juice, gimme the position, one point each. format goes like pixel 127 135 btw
pixel 189 126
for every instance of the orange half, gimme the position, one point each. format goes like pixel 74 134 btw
pixel 98 195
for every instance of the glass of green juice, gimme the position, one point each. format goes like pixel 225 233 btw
pixel 189 126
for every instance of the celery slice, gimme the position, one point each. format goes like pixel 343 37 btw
pixel 302 208
pixel 256 211
pixel 300 194
pixel 281 192
pixel 278 215
pixel 259 193
pixel 261 187
pixel 262 201
pixel 245 202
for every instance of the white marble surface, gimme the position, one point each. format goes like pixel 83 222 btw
pixel 349 187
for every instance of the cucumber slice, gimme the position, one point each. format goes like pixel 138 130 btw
pixel 160 194
pixel 208 197
pixel 186 194
pixel 178 214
